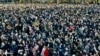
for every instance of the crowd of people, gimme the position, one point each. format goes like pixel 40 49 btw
pixel 57 31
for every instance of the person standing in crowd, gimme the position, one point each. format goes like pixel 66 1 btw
pixel 54 31
pixel 46 52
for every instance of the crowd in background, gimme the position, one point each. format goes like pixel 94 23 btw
pixel 57 31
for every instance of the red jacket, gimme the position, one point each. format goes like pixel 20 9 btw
pixel 71 28
pixel 46 52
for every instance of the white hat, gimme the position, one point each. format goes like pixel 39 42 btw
pixel 73 55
